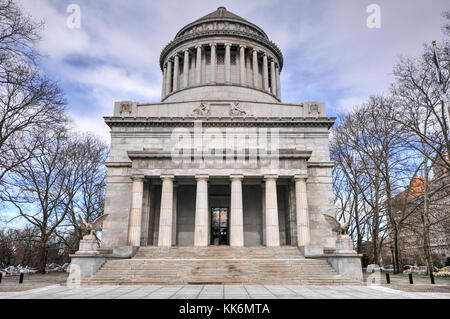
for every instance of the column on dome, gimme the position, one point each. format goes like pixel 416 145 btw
pixel 265 73
pixel 277 74
pixel 169 77
pixel 163 94
pixel 242 64
pixel 186 68
pixel 248 70
pixel 255 68
pixel 176 71
pixel 273 79
pixel 227 63
pixel 213 63
pixel 198 65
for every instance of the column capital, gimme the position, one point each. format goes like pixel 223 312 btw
pixel 137 177
pixel 186 50
pixel 165 66
pixel 242 46
pixel 270 177
pixel 212 44
pixel 239 177
pixel 300 177
pixel 167 177
pixel 228 44
pixel 198 46
pixel 202 177
pixel 255 51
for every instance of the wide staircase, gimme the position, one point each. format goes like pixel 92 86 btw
pixel 218 265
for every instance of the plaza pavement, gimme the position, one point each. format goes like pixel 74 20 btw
pixel 219 292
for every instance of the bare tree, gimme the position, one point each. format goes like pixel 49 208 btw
pixel 87 198
pixel 28 100
pixel 40 187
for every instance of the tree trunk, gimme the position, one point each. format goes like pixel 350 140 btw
pixel 41 255
pixel 425 217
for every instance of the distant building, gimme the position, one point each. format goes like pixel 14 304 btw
pixel 408 206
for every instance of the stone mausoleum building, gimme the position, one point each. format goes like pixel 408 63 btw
pixel 220 168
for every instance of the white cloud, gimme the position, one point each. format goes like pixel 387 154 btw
pixel 330 54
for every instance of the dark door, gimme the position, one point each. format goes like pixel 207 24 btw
pixel 219 226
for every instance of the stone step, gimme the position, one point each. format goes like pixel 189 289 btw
pixel 220 265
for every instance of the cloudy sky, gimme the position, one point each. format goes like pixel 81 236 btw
pixel 330 53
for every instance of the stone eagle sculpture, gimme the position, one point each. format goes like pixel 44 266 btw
pixel 94 226
pixel 336 226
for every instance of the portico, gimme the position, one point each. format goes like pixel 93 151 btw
pixel 251 213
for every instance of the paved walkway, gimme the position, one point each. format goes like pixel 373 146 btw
pixel 219 292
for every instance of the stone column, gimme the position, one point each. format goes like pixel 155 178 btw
pixel 165 216
pixel 237 214
pixel 186 68
pixel 163 94
pixel 255 68
pixel 242 64
pixel 198 65
pixel 301 203
pixel 135 218
pixel 169 77
pixel 201 236
pixel 265 73
pixel 272 227
pixel 263 205
pixel 277 74
pixel 213 63
pixel 176 71
pixel 248 70
pixel 227 63
pixel 174 214
pixel 273 79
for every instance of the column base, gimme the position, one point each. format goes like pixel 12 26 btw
pixel 311 251
pixel 125 251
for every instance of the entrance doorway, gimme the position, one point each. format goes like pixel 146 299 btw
pixel 219 226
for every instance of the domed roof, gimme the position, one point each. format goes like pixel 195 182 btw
pixel 221 14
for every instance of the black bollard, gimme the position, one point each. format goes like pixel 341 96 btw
pixel 411 279
pixel 21 279
pixel 388 279
pixel 1 275
pixel 432 278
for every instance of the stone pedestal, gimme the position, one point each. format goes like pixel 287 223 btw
pixel 84 266
pixel 346 265
pixel 88 247
pixel 344 245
